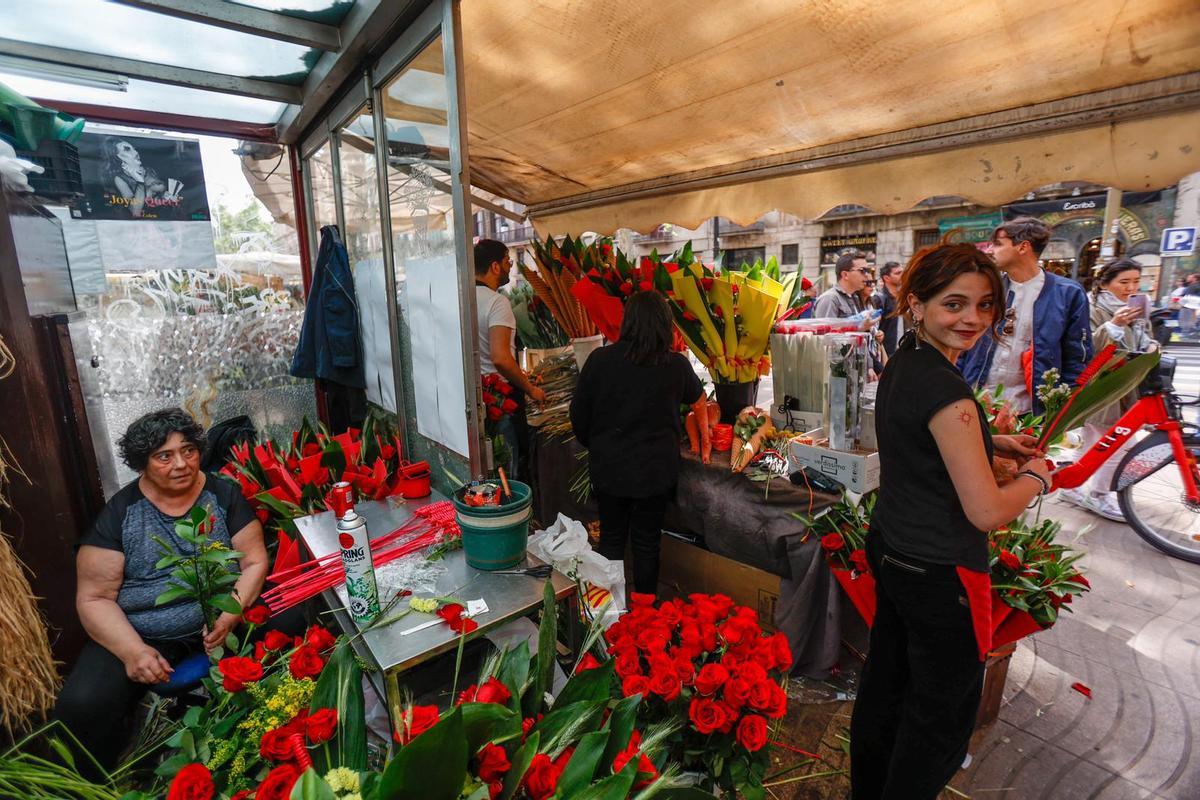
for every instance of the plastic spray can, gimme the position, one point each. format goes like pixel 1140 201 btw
pixel 360 568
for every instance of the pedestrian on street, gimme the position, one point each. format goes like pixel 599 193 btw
pixel 892 324
pixel 923 678
pixel 843 300
pixel 1045 324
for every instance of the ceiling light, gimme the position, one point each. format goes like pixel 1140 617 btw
pixel 63 73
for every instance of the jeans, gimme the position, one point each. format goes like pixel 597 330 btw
pixel 921 685
pixel 637 520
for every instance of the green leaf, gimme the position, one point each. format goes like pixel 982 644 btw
pixel 562 726
pixel 481 720
pixel 231 642
pixel 621 722
pixel 676 793
pixel 592 684
pixel 547 639
pixel 432 766
pixel 614 787
pixel 312 787
pixel 520 764
pixel 171 595
pixel 340 687
pixel 226 603
pixel 1101 391
pixel 513 672
pixel 193 716
pixel 333 457
pixel 584 761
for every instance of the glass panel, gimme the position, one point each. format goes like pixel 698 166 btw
pixel 148 96
pixel 330 12
pixel 320 183
pixel 364 246
pixel 94 26
pixel 426 272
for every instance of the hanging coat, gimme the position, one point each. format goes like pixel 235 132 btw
pixel 330 345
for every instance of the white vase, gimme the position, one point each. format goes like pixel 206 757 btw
pixel 584 346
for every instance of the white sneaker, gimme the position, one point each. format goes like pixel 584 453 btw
pixel 1105 504
pixel 1075 497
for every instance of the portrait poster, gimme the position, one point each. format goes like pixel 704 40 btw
pixel 141 178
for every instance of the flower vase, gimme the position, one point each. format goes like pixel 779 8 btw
pixel 733 397
pixel 584 346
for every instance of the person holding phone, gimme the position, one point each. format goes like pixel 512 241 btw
pixel 1118 316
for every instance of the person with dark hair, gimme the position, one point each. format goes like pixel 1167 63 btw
pixel 1114 321
pixel 497 338
pixel 920 687
pixel 136 184
pixel 892 325
pixel 1045 325
pixel 626 412
pixel 842 300
pixel 134 641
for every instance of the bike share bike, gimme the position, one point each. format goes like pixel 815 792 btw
pixel 1158 481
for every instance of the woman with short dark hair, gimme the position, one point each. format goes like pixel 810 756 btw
pixel 921 685
pixel 626 412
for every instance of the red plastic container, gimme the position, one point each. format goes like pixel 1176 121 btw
pixel 414 480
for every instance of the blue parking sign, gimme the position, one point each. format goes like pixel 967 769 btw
pixel 1178 242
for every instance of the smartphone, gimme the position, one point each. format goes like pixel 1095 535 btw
pixel 1141 302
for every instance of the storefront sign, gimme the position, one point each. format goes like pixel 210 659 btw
pixel 834 246
pixel 141 178
pixel 1092 204
pixel 972 230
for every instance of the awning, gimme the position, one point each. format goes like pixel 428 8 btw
pixel 627 114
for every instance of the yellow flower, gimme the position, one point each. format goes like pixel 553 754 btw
pixel 355 796
pixel 424 605
pixel 341 779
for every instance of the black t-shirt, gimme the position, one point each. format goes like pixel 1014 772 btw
pixel 129 523
pixel 919 513
pixel 627 415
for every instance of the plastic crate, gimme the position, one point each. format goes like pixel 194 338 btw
pixel 62 179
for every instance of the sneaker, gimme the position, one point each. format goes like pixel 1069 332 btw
pixel 1075 497
pixel 1105 504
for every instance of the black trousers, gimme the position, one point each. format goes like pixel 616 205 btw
pixel 921 685
pixel 637 520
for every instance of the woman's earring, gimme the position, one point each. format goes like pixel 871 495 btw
pixel 920 332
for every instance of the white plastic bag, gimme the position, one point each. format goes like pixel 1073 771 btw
pixel 564 546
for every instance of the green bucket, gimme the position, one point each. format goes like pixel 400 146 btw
pixel 494 537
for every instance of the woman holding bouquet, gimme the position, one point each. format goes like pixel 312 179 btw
pixel 921 685
pixel 626 412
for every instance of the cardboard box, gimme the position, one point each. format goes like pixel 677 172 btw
pixel 800 421
pixel 686 567
pixel 866 429
pixel 858 471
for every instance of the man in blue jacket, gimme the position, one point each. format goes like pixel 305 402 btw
pixel 1044 327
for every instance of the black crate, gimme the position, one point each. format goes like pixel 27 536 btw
pixel 62 179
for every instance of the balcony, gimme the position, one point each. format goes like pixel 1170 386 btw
pixel 729 229
pixel 516 235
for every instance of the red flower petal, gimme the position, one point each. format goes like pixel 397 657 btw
pixel 1082 689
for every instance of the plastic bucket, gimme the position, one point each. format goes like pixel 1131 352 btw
pixel 584 346
pixel 494 537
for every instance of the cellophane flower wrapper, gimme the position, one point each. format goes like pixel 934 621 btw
pixel 412 573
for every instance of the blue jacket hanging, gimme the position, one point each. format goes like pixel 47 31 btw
pixel 330 345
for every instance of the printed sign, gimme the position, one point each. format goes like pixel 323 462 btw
pixel 141 178
pixel 1178 241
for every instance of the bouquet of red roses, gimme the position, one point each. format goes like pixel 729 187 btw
pixel 842 530
pixel 707 663
pixel 497 397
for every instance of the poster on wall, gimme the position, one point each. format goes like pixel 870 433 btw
pixel 141 178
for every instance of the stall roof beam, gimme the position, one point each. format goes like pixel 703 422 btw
pixel 367 27
pixel 1162 96
pixel 159 73
pixel 269 24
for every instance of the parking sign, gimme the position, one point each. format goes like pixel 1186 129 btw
pixel 1178 242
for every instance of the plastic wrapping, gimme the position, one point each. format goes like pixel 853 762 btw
pixel 412 573
pixel 848 360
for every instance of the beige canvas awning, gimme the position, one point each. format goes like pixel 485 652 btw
pixel 598 115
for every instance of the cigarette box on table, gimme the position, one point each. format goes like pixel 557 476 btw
pixel 857 470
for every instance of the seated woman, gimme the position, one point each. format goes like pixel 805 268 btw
pixel 134 642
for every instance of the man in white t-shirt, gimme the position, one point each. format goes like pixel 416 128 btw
pixel 497 335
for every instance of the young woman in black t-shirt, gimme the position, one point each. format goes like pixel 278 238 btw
pixel 923 678
pixel 626 412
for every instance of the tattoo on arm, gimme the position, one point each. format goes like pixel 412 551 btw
pixel 964 417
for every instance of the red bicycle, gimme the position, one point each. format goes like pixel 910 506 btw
pixel 1162 505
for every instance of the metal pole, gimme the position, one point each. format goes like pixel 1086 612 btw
pixel 1112 211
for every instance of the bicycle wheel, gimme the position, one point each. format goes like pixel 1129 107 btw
pixel 1151 494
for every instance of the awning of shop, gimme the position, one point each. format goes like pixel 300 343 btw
pixel 599 115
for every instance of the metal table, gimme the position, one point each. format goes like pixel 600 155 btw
pixel 508 596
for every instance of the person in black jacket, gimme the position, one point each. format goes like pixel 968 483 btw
pixel 626 412
pixel 890 276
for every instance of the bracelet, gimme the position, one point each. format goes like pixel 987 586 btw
pixel 1045 487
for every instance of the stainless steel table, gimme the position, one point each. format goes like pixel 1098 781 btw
pixel 508 596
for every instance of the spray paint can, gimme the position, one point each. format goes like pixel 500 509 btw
pixel 360 568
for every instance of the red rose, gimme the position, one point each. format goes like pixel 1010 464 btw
pixel 665 683
pixel 706 715
pixel 193 782
pixel 306 663
pixel 320 638
pixel 493 414
pixel 645 286
pixel 783 652
pixel 319 727
pixel 859 559
pixel 778 705
pixel 418 720
pixel 737 693
pixel 527 725
pixel 276 745
pixel 276 640
pixel 710 678
pixel 646 773
pixel 495 789
pixel 627 665
pixel 685 668
pixel 707 283
pixel 256 615
pixel 1010 560
pixel 279 783
pixel 641 600
pixel 587 662
pixel 263 517
pixel 760 695
pixel 627 288
pixel 752 733
pixel 508 406
pixel 453 614
pixel 237 671
pixel 1079 579
pixel 492 691
pixel 244 794
pixel 541 779
pixel 635 684
pixel 833 542
pixel 505 388
pixel 493 763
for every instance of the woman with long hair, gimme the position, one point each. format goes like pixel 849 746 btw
pixel 125 175
pixel 626 412
pixel 1114 321
pixel 921 685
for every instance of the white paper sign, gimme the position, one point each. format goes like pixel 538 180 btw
pixel 370 289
